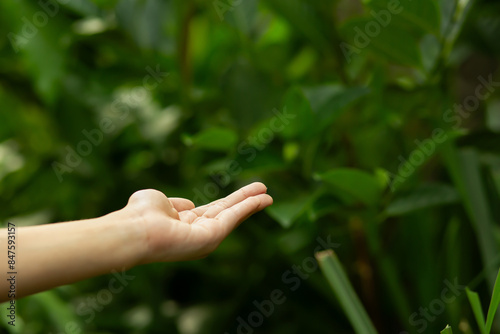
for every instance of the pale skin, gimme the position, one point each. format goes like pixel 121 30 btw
pixel 150 228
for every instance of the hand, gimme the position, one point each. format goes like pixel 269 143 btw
pixel 175 230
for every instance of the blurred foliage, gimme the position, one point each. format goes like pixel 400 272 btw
pixel 348 110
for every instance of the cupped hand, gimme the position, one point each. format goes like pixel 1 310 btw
pixel 176 230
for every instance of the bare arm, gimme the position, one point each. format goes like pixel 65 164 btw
pixel 150 228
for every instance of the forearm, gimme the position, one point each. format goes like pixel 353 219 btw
pixel 151 228
pixel 57 254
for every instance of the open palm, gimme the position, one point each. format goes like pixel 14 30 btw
pixel 176 230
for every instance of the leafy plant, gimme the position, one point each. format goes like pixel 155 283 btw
pixel 363 118
pixel 485 328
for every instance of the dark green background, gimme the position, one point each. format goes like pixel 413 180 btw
pixel 229 65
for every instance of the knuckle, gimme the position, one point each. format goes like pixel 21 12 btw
pixel 223 205
pixel 244 192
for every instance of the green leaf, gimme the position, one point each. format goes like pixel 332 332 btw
pixel 356 183
pixel 347 297
pixel 476 309
pixel 447 330
pixel 327 102
pixel 495 300
pixel 215 139
pixel 423 14
pixel 406 51
pixel 315 108
pixel 302 125
pixel 356 33
pixel 286 212
pixel 425 196
pixel 465 170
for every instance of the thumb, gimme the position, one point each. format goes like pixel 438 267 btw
pixel 151 199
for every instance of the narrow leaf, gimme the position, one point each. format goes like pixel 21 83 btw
pixel 476 309
pixel 447 330
pixel 495 300
pixel 425 196
pixel 465 170
pixel 336 276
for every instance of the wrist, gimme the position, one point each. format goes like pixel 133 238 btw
pixel 129 229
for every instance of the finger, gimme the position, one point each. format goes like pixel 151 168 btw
pixel 181 204
pixel 233 216
pixel 214 208
pixel 203 208
pixel 249 190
